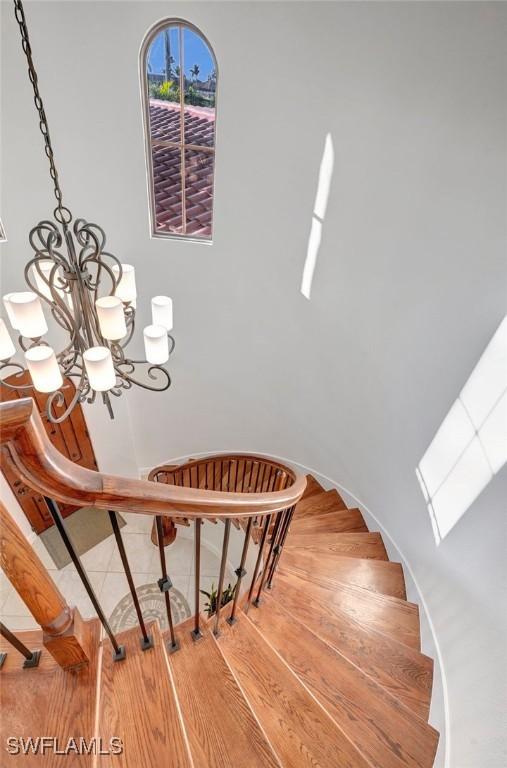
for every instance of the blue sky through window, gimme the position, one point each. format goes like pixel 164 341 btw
pixel 195 50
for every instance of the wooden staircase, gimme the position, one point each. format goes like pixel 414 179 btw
pixel 326 671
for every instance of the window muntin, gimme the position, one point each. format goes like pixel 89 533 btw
pixel 178 75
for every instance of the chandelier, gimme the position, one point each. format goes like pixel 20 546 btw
pixel 90 294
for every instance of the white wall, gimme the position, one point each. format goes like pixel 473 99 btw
pixel 410 280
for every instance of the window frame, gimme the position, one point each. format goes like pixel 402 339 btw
pixel 150 35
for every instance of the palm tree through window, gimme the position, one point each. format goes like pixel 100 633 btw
pixel 179 82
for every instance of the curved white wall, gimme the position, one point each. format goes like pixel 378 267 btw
pixel 409 284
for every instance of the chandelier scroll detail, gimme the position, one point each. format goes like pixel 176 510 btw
pixel 90 295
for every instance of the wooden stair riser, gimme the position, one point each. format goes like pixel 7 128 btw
pixel 312 487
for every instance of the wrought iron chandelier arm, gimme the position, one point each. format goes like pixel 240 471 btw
pixel 129 380
pixel 73 282
pixel 18 368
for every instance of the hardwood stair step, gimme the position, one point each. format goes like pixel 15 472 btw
pixel 390 615
pixel 365 545
pixel 221 728
pixel 400 669
pixel 46 700
pixel 376 575
pixel 384 730
pixel 342 521
pixel 300 731
pixel 138 703
pixel 319 504
pixel 312 487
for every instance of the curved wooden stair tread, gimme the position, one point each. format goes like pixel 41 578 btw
pixel 375 575
pixel 364 710
pixel 300 730
pixel 312 487
pixel 337 521
pixel 400 669
pixel 365 545
pixel 390 616
pixel 319 504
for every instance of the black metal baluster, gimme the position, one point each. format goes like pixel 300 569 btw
pixel 280 544
pixel 267 561
pixel 223 562
pixel 31 657
pixel 119 650
pixel 165 585
pixel 258 561
pixel 196 632
pixel 240 572
pixel 3 656
pixel 146 640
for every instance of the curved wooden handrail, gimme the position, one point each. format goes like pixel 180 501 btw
pixel 26 446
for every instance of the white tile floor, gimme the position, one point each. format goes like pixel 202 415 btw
pixel 105 571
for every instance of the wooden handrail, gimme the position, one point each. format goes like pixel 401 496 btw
pixel 26 446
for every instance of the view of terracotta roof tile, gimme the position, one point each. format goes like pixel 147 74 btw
pixel 199 131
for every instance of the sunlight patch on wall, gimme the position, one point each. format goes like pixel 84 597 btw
pixel 319 212
pixel 470 446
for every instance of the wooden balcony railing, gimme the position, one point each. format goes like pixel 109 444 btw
pixel 252 489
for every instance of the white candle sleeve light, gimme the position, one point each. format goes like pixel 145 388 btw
pixel 44 370
pixel 126 288
pixel 28 314
pixel 111 317
pixel 99 368
pixel 156 345
pixel 162 312
pixel 44 271
pixel 9 310
pixel 7 348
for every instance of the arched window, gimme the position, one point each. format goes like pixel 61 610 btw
pixel 179 83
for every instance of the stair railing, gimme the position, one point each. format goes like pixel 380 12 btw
pixel 238 488
pixel 32 658
pixel 235 473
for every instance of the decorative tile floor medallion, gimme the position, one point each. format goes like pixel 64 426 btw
pixel 152 603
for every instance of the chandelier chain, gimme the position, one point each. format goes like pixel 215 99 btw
pixel 62 213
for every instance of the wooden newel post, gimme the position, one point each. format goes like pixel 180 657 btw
pixel 62 626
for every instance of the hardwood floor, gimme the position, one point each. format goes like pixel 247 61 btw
pixel 48 701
